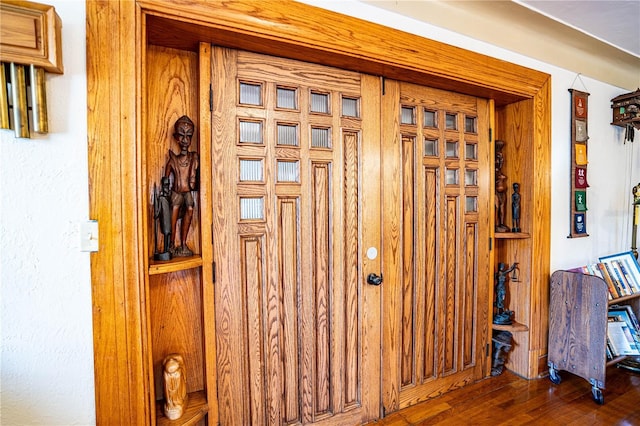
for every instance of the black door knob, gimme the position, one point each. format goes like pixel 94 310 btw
pixel 374 279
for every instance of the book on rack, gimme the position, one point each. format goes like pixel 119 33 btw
pixel 621 273
pixel 604 274
pixel 624 271
pixel 620 339
pixel 625 314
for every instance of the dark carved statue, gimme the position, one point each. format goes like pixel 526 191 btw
pixel 183 166
pixel 502 315
pixel 162 213
pixel 501 189
pixel 515 207
pixel 502 343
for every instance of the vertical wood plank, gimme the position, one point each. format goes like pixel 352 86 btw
pixel 469 318
pixel 322 278
pixel 450 307
pixel 252 255
pixel 116 272
pixel 432 345
pixel 390 160
pixel 290 273
pixel 408 275
pixel 353 284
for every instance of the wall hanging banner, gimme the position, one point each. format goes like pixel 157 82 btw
pixel 581 154
pixel 580 180
pixel 579 159
pixel 581 201
pixel 579 226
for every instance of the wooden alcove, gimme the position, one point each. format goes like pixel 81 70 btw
pixel 119 36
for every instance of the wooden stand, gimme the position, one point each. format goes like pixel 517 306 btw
pixel 578 328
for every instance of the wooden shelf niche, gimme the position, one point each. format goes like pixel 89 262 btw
pixel 522 159
pixel 179 302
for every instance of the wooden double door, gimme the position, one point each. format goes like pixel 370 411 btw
pixel 325 182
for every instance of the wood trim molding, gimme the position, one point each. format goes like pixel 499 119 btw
pixel 299 31
pixel 115 104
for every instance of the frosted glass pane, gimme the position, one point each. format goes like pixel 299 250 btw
pixel 470 177
pixel 430 119
pixel 471 152
pixel 251 208
pixel 470 125
pixel 288 134
pixel 250 94
pixel 407 117
pixel 451 177
pixel 431 147
pixel 471 204
pixel 452 149
pixel 251 170
pixel 451 122
pixel 350 107
pixel 286 98
pixel 320 102
pixel 320 138
pixel 250 132
pixel 288 171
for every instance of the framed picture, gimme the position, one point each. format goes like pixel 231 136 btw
pixel 628 268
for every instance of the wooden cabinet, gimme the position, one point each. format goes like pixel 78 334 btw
pixel 578 327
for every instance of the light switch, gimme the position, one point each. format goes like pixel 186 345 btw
pixel 89 236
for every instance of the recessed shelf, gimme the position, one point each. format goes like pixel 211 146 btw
pixel 516 326
pixel 173 265
pixel 512 235
pixel 197 408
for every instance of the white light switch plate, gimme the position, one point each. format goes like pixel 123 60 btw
pixel 89 236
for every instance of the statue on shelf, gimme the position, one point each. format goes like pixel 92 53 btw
pixel 502 343
pixel 501 189
pixel 502 315
pixel 162 215
pixel 175 387
pixel 515 207
pixel 184 168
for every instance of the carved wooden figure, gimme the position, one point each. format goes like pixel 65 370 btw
pixel 184 168
pixel 501 189
pixel 162 213
pixel 175 387
pixel 502 343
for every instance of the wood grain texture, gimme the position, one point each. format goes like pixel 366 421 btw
pixel 331 39
pixel 116 109
pixel 122 374
pixel 300 309
pixel 578 325
pixel 508 399
pixel 526 130
pixel 175 302
pixel 435 293
pixel 172 91
pixel 31 34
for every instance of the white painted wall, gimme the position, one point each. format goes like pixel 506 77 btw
pixel 46 342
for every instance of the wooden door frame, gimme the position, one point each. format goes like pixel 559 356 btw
pixel 117 33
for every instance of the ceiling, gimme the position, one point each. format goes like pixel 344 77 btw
pixel 614 22
pixel 597 39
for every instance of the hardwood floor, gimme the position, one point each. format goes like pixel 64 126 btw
pixel 511 400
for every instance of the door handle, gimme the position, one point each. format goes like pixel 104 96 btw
pixel 374 279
